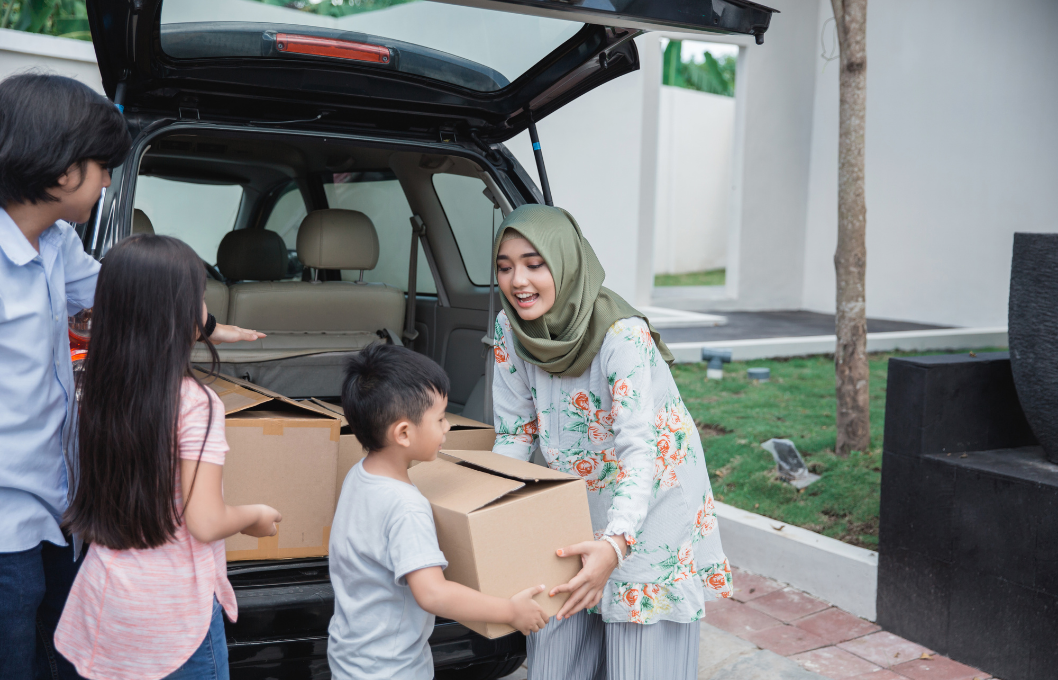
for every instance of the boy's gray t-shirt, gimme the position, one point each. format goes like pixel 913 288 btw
pixel 383 529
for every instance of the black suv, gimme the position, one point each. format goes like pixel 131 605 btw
pixel 389 115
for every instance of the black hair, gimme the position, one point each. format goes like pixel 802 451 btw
pixel 385 383
pixel 147 314
pixel 49 123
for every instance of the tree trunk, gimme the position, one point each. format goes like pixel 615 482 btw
pixel 850 259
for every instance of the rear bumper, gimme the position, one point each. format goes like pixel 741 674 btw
pixel 284 610
pixel 453 647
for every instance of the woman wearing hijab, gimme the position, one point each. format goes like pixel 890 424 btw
pixel 582 376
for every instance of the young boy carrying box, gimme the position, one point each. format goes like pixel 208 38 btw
pixel 385 565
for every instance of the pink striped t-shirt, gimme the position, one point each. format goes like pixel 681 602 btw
pixel 140 614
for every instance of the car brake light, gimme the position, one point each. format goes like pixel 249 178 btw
pixel 332 47
pixel 80 330
pixel 78 346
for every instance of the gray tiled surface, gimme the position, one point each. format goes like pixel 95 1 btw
pixel 747 325
pixel 722 656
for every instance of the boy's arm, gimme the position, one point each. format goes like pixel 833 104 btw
pixel 442 597
pixel 80 272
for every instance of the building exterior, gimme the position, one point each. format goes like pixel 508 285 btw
pixel 960 155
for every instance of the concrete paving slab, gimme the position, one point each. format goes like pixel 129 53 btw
pixel 763 665
pixel 718 649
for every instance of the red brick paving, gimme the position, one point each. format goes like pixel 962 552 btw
pixel 881 674
pixel 835 625
pixel 825 639
pixel 937 668
pixel 738 619
pixel 787 604
pixel 786 640
pixel 835 663
pixel 884 649
pixel 750 586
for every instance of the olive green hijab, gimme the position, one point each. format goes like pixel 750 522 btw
pixel 569 335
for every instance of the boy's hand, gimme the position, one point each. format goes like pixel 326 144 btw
pixel 265 526
pixel 225 333
pixel 527 616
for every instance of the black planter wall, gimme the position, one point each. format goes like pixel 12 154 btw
pixel 968 539
pixel 1032 323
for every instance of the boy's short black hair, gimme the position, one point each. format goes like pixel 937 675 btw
pixel 385 383
pixel 49 123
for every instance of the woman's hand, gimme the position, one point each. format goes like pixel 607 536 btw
pixel 265 525
pixel 225 333
pixel 598 560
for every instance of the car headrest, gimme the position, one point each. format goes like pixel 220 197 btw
pixel 338 239
pixel 252 255
pixel 141 224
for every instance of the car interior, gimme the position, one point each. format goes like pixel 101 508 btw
pixel 309 240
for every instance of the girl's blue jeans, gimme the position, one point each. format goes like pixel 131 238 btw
pixel 210 660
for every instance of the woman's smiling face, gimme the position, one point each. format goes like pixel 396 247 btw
pixel 525 279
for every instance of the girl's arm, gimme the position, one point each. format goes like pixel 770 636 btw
pixel 442 597
pixel 513 408
pixel 208 518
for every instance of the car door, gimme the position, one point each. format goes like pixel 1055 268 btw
pixel 472 68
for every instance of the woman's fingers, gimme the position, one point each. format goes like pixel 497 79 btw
pixel 575 549
pixel 577 601
pixel 574 583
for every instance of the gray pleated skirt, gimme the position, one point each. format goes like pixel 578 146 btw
pixel 582 647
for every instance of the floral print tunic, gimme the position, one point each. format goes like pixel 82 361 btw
pixel 623 428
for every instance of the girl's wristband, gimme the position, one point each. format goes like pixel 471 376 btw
pixel 616 549
pixel 211 325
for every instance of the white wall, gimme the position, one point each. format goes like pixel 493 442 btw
pixel 775 88
pixel 695 138
pixel 962 151
pixel 600 169
pixel 21 51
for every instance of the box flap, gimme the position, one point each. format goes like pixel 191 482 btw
pixel 508 467
pixel 239 395
pixel 461 422
pixel 458 422
pixel 457 487
pixel 234 397
pixel 326 408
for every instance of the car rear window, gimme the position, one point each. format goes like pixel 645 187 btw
pixel 380 196
pixel 475 48
pixel 198 214
pixel 474 219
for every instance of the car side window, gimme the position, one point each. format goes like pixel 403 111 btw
pixel 474 219
pixel 198 214
pixel 285 219
pixel 380 196
pixel 287 214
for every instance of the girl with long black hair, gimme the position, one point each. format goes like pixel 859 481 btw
pixel 149 599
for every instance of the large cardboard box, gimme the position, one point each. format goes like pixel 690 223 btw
pixel 281 454
pixel 350 452
pixel 469 435
pixel 499 522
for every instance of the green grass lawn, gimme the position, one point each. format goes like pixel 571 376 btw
pixel 713 277
pixel 735 415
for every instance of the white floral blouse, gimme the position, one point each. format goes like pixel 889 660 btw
pixel 624 429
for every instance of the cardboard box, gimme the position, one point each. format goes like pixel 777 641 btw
pixel 469 435
pixel 350 452
pixel 281 454
pixel 499 522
